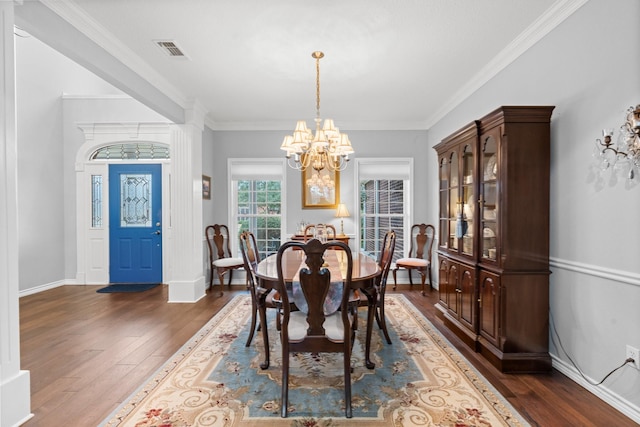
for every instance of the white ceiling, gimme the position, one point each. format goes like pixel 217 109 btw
pixel 389 64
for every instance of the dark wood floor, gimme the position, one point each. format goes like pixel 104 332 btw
pixel 87 352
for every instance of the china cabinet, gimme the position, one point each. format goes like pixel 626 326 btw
pixel 493 250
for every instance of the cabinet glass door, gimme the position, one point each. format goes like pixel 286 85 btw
pixel 466 207
pixel 444 202
pixel 454 208
pixel 490 198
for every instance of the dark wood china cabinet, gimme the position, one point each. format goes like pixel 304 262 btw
pixel 493 250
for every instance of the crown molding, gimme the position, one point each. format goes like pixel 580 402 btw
pixel 287 126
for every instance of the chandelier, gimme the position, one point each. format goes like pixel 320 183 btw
pixel 327 149
pixel 625 153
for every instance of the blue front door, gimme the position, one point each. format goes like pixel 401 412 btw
pixel 135 212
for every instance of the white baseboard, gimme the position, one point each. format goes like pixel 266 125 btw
pixel 613 399
pixel 41 288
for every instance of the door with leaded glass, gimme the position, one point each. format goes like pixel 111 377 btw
pixel 135 212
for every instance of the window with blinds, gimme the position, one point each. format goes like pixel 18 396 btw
pixel 381 209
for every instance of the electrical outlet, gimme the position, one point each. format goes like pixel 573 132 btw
pixel 634 353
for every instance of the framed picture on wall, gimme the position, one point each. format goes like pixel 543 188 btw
pixel 320 189
pixel 206 187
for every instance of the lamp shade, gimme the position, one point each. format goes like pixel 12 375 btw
pixel 342 211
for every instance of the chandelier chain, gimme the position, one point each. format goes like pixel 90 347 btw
pixel 318 87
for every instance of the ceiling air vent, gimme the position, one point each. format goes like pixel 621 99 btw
pixel 170 48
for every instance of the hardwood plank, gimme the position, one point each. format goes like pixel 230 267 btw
pixel 542 399
pixel 87 352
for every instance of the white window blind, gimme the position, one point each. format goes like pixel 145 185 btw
pixel 384 169
pixel 384 186
pixel 248 169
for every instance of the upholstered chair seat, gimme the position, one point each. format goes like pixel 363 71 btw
pixel 412 262
pixel 227 262
pixel 333 327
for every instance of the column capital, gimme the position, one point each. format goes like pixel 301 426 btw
pixel 195 113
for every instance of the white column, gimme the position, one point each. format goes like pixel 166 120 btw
pixel 15 402
pixel 187 282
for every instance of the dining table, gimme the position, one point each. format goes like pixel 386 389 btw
pixel 363 274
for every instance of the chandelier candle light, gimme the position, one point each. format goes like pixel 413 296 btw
pixel 327 149
pixel 626 152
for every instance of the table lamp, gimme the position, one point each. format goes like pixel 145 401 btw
pixel 342 212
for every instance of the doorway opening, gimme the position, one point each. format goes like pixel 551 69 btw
pixel 123 204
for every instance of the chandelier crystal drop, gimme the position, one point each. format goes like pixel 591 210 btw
pixel 327 149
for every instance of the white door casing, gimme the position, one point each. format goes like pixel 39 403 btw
pixel 93 242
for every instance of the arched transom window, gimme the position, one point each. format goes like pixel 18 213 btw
pixel 138 151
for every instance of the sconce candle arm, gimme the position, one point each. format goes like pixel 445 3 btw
pixel 627 147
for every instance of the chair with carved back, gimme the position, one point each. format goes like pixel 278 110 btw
pixel 323 322
pixel 311 230
pixel 220 258
pixel 420 253
pixel 385 258
pixel 261 298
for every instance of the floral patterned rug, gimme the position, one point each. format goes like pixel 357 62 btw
pixel 214 380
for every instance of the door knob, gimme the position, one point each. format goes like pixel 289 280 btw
pixel 156 232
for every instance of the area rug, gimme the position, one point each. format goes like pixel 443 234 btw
pixel 127 287
pixel 214 380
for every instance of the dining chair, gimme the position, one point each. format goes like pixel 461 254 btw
pixel 261 298
pixel 220 258
pixel 311 230
pixel 323 322
pixel 385 258
pixel 420 251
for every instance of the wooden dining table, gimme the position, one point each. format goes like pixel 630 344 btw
pixel 365 270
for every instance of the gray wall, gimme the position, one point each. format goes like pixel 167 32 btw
pixel 588 68
pixel 266 144
pixel 42 75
